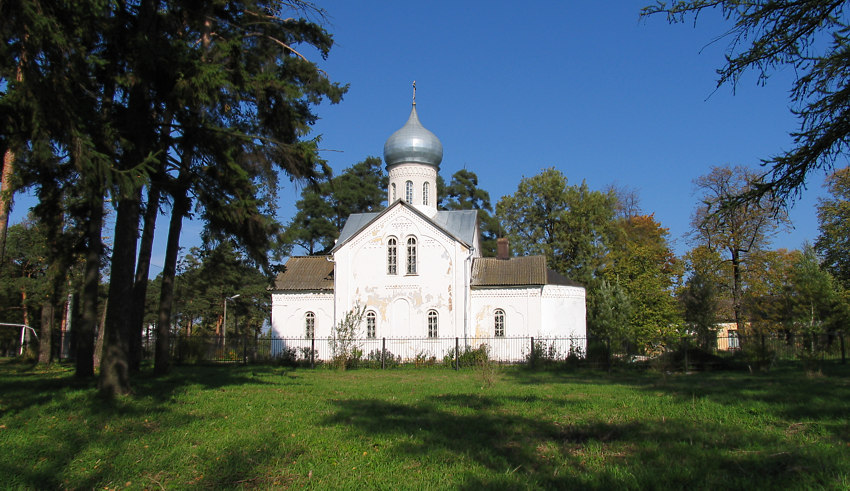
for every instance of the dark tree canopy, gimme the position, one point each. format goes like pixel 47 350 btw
pixel 324 207
pixel 463 193
pixel 811 38
pixel 833 242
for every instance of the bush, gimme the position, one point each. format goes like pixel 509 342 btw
pixel 468 356
pixel 542 354
pixel 390 360
pixel 288 357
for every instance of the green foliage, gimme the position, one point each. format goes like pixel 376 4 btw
pixel 467 356
pixel 463 193
pixel 700 301
pixel 572 226
pixel 736 231
pixel 389 359
pixel 810 38
pixel 345 339
pixel 833 242
pixel 609 312
pixel 207 276
pixel 814 299
pixel 643 264
pixel 324 207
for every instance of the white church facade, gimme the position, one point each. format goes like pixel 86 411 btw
pixel 419 274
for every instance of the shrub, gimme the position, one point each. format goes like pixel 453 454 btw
pixel 345 351
pixel 390 360
pixel 288 357
pixel 468 356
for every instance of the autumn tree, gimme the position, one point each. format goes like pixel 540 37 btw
pixel 571 225
pixel 833 242
pixel 735 230
pixel 810 38
pixel 642 262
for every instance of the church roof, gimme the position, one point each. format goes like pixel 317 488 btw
pixel 460 224
pixel 516 271
pixel 306 273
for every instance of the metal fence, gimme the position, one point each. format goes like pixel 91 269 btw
pixel 682 352
pixel 375 351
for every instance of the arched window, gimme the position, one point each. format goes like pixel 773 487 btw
pixel 310 325
pixel 432 323
pixel 499 321
pixel 392 187
pixel 408 191
pixel 411 255
pixel 425 193
pixel 392 256
pixel 371 324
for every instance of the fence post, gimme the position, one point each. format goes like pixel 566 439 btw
pixel 532 355
pixel 457 354
pixel 383 353
pixel 313 351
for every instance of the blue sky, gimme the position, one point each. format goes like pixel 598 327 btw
pixel 512 88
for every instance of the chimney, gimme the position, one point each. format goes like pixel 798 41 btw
pixel 502 248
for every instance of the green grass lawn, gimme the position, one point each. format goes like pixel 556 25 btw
pixel 224 427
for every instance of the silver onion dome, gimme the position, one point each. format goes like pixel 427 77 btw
pixel 412 143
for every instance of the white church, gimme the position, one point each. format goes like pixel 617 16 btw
pixel 419 274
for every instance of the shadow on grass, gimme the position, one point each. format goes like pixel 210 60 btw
pixel 498 445
pixel 788 393
pixel 56 432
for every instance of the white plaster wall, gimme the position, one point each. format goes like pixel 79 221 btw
pixel 521 306
pixel 418 174
pixel 289 311
pixel 563 312
pixel 402 301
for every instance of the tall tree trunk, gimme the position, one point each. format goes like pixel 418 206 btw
pixel 98 344
pixel 45 338
pixel 91 284
pixel 115 365
pixel 6 197
pixel 6 177
pixel 181 206
pixel 140 285
pixel 736 291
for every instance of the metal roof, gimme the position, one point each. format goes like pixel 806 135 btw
pixel 516 271
pixel 306 273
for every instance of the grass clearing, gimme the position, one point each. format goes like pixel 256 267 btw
pixel 264 427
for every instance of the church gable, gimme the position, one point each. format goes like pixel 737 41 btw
pixel 459 226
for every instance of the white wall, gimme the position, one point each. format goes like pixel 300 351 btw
pixel 289 312
pixel 402 301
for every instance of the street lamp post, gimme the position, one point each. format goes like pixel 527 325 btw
pixel 224 320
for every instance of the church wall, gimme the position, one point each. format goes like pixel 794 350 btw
pixel 563 312
pixel 402 301
pixel 521 306
pixel 289 312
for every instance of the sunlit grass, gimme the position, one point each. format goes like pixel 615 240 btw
pixel 407 428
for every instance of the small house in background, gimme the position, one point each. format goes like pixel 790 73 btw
pixel 418 272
